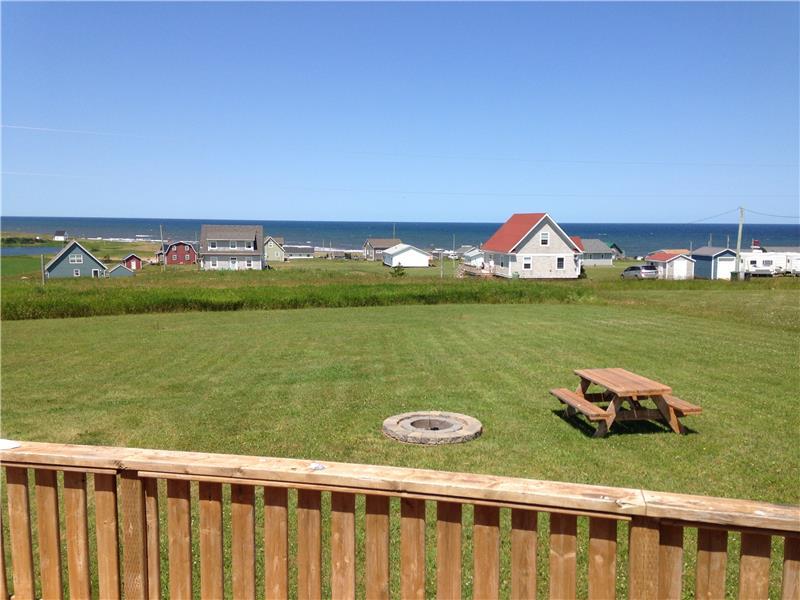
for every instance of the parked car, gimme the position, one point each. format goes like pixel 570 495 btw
pixel 640 272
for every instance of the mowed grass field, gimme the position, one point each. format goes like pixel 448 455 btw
pixel 317 383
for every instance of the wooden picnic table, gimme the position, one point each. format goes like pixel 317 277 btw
pixel 623 388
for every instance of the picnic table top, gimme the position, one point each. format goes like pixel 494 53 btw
pixel 623 382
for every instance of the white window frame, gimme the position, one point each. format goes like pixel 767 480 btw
pixel 214 262
pixel 767 262
pixel 563 263
pixel 249 263
pixel 248 245
pixel 527 263
pixel 187 257
pixel 76 259
pixel 174 257
pixel 270 244
pixel 232 262
pixel 212 245
pixel 76 272
pixel 544 238
pixel 232 244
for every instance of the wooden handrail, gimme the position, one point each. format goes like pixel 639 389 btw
pixel 609 502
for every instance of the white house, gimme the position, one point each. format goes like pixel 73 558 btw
pixel 405 255
pixel 597 253
pixel 60 236
pixel 532 246
pixel 473 257
pixel 231 247
pixel 672 264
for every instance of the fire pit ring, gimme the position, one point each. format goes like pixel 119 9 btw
pixel 431 428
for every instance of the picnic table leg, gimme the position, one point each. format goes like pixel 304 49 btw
pixel 583 386
pixel 669 415
pixel 603 427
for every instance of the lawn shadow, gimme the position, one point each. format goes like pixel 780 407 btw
pixel 625 427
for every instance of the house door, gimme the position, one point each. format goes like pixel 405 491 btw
pixel 679 269
pixel 725 266
pixel 96 273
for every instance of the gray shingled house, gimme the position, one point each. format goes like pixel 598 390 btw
pixel 374 247
pixel 597 253
pixel 74 261
pixel 231 247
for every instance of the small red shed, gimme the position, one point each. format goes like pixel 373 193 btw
pixel 133 262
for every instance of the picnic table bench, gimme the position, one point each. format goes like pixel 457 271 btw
pixel 622 386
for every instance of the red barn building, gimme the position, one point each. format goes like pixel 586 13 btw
pixel 178 253
pixel 133 262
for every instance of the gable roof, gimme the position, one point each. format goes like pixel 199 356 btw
pixel 576 239
pixel 131 255
pixel 231 232
pixel 275 238
pixel 120 266
pixel 165 246
pixel 66 250
pixel 518 226
pixel 400 248
pixel 596 246
pixel 667 256
pixel 711 251
pixel 473 252
pixel 383 243
pixel 60 232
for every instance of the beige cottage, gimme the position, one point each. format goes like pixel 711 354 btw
pixel 532 246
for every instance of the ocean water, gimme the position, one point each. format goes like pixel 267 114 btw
pixel 634 238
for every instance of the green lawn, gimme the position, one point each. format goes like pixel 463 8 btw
pixel 317 383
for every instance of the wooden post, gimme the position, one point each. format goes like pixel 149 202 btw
pixel 412 549
pixel 105 501
pixel 276 543
pixel 643 559
pixel 19 524
pixel 486 552
pixel 602 558
pixel 377 544
pixel 448 550
pixel 77 534
pixel 153 538
pixel 670 562
pixel 309 550
pixel 243 542
pixel 343 545
pixel 179 528
pixel 211 560
pixel 523 553
pixel 712 557
pixel 754 566
pixel 49 534
pixel 563 552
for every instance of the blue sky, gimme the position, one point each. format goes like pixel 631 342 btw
pixel 653 112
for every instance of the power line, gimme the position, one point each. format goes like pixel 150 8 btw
pixel 727 212
pixel 755 212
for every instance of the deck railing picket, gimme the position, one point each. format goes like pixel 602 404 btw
pixel 212 577
pixel 76 518
pixel 790 583
pixel 376 523
pixel 243 541
pixel 524 538
pixel 134 536
pixel 448 550
pixel 563 556
pixel 49 534
pixel 19 524
pixel 153 539
pixel 309 545
pixel 670 562
pixel 412 549
pixel 712 558
pixel 602 558
pixel 276 543
pixel 486 552
pixel 107 535
pixel 343 545
pixel 127 480
pixel 179 535
pixel 754 566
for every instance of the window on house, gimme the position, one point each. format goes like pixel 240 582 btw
pixel 233 244
pixel 270 244
pixel 174 257
pixel 187 257
pixel 753 263
pixel 232 262
pixel 248 245
pixel 212 245
pixel 76 272
pixel 76 259
pixel 544 238
pixel 560 263
pixel 213 262
pixel 249 263
pixel 526 262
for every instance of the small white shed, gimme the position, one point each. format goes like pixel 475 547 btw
pixel 474 257
pixel 405 255
pixel 672 265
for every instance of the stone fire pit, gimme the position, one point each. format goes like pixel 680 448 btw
pixel 430 427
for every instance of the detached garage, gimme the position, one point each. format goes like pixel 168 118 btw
pixel 672 265
pixel 404 255
pixel 713 262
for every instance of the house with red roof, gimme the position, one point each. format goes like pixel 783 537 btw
pixel 533 246
pixel 672 263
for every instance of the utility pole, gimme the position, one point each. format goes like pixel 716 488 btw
pixel 394 227
pixel 441 264
pixel 454 242
pixel 163 254
pixel 728 241
pixel 710 239
pixel 739 244
pixel 41 256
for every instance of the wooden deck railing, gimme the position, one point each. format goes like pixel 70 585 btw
pixel 125 519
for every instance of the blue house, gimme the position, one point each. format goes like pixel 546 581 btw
pixel 120 271
pixel 74 261
pixel 714 262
